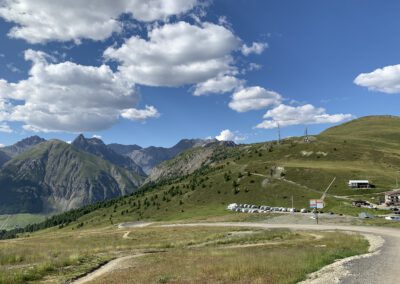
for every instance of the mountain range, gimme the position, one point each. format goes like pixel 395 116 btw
pixel 39 176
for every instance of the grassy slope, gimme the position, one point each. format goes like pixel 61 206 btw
pixel 271 263
pixel 57 258
pixel 21 220
pixel 362 149
pixel 335 153
pixel 207 192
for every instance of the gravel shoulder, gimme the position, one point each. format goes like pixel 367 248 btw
pixel 339 270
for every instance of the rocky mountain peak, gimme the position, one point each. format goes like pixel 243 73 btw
pixel 30 141
pixel 25 144
pixel 96 146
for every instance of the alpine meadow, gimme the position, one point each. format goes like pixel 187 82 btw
pixel 199 141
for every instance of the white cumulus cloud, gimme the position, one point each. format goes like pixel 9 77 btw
pixel 253 98
pixel 256 48
pixel 140 114
pixel 218 85
pixel 66 96
pixel 41 21
pixel 228 135
pixel 4 127
pixel 176 54
pixel 285 115
pixel 386 80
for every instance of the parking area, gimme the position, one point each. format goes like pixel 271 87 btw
pixel 251 208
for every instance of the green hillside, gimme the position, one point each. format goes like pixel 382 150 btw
pixel 268 173
pixel 264 173
pixel 197 185
pixel 375 130
pixel 8 222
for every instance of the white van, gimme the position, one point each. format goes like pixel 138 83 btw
pixel 393 218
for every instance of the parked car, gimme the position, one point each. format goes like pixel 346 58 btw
pixel 393 218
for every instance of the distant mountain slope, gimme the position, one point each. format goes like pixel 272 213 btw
pixel 4 158
pixel 123 149
pixel 150 157
pixel 22 146
pixel 200 182
pixel 210 174
pixel 55 176
pixel 97 147
pixel 8 152
pixel 364 148
pixel 189 161
pixel 271 174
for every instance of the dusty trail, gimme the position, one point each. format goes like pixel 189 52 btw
pixel 105 269
pixel 132 225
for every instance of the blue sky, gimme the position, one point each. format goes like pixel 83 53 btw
pixel 193 69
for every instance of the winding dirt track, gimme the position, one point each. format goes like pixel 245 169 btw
pixel 107 268
pixel 381 266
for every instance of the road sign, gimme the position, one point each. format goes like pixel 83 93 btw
pixel 316 203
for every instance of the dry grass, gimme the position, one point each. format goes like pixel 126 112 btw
pixel 65 254
pixel 284 262
pixel 192 254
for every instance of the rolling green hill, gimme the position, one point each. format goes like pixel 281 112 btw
pixel 372 130
pixel 263 173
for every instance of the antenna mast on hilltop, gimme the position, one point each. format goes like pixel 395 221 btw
pixel 306 138
pixel 279 133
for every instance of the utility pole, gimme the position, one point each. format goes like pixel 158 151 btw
pixel 326 190
pixel 292 205
pixel 279 133
pixel 306 138
pixel 319 203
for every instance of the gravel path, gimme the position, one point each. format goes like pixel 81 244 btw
pixel 132 225
pixel 381 268
pixel 338 271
